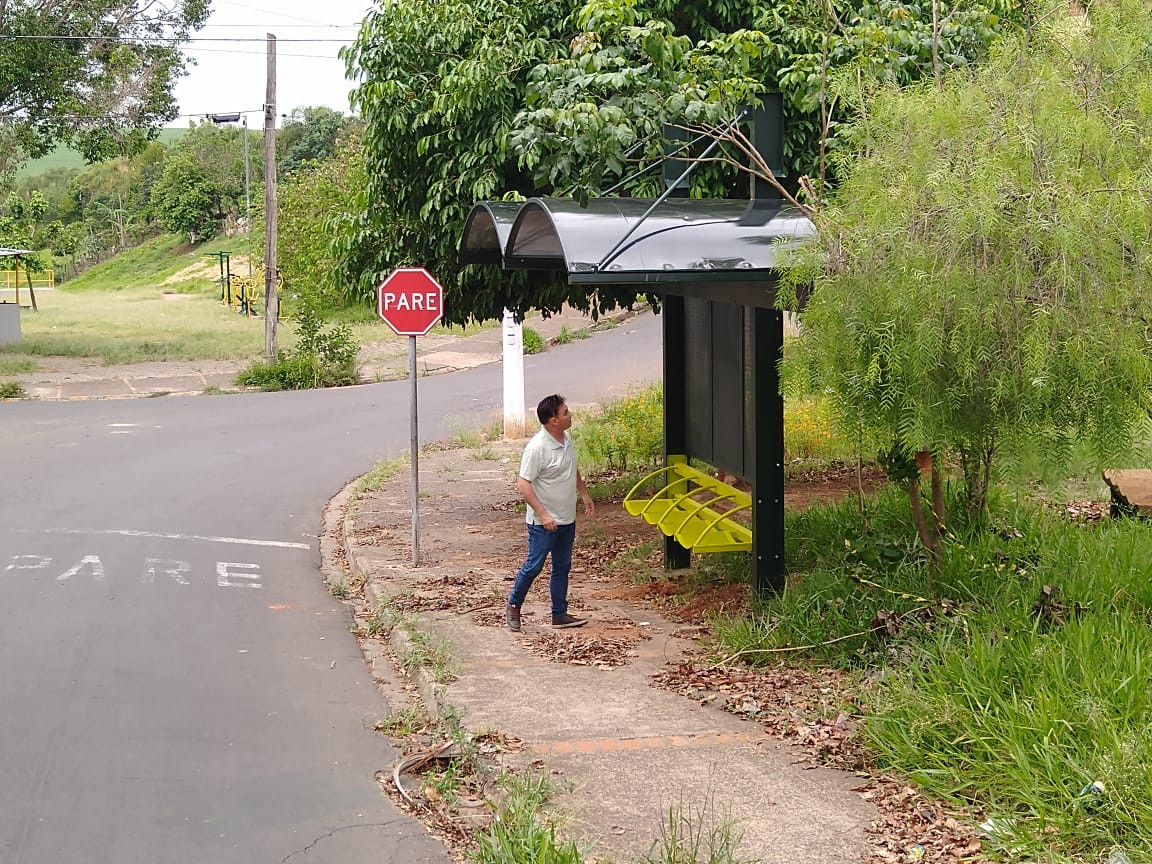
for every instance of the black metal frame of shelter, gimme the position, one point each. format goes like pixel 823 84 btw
pixel 713 265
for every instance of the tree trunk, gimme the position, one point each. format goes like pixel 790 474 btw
pixel 939 501
pixel 929 536
pixel 976 461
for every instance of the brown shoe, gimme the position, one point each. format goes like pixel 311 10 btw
pixel 568 621
pixel 512 617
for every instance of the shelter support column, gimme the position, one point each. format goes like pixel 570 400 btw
pixel 676 557
pixel 768 470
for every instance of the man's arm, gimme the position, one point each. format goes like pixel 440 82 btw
pixel 547 520
pixel 589 505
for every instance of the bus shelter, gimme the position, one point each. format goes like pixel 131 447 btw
pixel 713 265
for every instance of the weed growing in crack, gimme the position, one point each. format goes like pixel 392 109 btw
pixel 405 721
pixel 695 833
pixel 429 653
pixel 378 476
pixel 522 831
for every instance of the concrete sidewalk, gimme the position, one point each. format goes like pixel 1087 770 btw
pixel 65 379
pixel 622 751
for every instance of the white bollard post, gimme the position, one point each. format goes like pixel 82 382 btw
pixel 513 377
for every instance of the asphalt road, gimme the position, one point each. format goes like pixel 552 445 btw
pixel 176 684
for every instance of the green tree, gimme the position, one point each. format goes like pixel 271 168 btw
pixel 188 199
pixel 496 99
pixel 307 136
pixel 440 85
pixel 599 112
pixel 97 74
pixel 202 182
pixel 311 203
pixel 981 285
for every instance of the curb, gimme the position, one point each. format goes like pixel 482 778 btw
pixel 615 317
pixel 432 693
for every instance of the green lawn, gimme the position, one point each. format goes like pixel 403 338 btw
pixel 160 301
pixel 65 157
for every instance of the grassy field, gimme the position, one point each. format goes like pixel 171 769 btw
pixel 66 157
pixel 158 302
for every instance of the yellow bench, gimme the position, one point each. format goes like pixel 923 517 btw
pixel 685 508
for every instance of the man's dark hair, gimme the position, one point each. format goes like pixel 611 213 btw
pixel 549 407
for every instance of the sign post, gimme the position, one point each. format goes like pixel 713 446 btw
pixel 410 301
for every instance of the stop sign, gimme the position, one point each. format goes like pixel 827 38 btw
pixel 410 301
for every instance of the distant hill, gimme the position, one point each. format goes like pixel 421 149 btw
pixel 66 157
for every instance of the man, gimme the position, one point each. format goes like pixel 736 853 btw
pixel 549 480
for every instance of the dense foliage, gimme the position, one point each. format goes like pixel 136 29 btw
pixel 312 202
pixel 95 73
pixel 193 185
pixel 499 100
pixel 982 285
pixel 440 84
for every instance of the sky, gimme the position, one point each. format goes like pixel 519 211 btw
pixel 231 76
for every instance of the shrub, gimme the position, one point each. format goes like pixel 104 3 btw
pixel 11 390
pixel 533 341
pixel 321 358
pixel 629 431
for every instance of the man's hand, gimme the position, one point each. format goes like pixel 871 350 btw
pixel 589 505
pixel 547 520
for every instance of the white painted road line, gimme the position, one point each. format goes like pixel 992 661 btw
pixel 238 541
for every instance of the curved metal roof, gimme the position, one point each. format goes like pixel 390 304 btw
pixel 607 241
pixel 486 232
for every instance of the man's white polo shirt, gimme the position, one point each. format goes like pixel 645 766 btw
pixel 550 466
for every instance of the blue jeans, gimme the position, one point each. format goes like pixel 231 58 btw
pixel 540 543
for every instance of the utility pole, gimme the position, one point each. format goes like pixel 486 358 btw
pixel 271 301
pixel 247 187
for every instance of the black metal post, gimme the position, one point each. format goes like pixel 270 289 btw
pixel 768 471
pixel 676 557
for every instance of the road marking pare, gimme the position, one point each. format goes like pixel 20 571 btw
pixel 229 574
pixel 239 541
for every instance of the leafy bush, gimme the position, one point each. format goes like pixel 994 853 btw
pixel 321 358
pixel 533 341
pixel 11 390
pixel 629 431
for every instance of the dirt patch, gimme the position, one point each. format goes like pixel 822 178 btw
pixel 616 558
pixel 199 270
pixel 805 488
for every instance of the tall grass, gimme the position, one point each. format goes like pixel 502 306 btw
pixel 1014 680
pixel 627 433
pixel 522 831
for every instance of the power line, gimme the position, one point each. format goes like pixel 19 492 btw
pixel 259 53
pixel 281 14
pixel 280 26
pixel 160 40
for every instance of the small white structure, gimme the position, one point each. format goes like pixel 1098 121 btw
pixel 513 377
pixel 10 312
